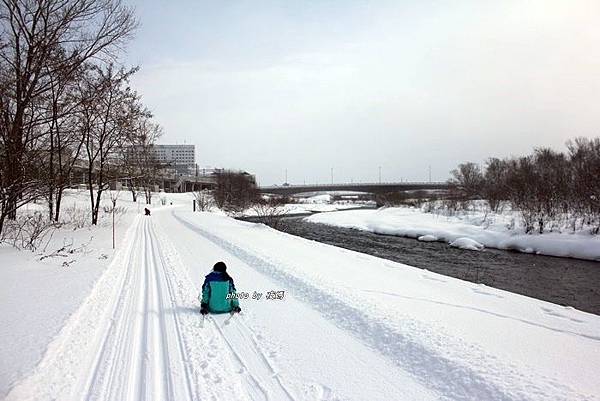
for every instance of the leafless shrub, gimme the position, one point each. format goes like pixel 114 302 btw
pixel 68 250
pixel 270 211
pixel 391 199
pixel 119 211
pixel 204 200
pixel 76 217
pixel 27 231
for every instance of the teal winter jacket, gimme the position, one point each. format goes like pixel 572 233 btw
pixel 216 287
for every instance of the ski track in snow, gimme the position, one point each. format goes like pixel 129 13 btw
pixel 232 335
pixel 252 360
pixel 451 379
pixel 143 353
pixel 131 341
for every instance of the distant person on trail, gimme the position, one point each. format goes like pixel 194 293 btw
pixel 215 290
pixel 147 211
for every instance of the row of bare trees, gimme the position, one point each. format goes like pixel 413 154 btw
pixel 65 103
pixel 235 191
pixel 550 189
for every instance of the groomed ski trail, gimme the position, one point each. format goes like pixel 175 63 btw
pixel 145 339
pixel 136 337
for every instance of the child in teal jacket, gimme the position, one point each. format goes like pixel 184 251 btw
pixel 215 290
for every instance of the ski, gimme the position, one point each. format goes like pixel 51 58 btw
pixel 226 321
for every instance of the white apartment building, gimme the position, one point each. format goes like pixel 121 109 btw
pixel 179 157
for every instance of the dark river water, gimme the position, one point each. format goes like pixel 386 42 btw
pixel 563 281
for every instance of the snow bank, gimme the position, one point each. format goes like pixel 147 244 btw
pixel 413 223
pixel 292 209
pixel 467 243
pixel 428 238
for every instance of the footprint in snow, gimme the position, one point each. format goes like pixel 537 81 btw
pixel 323 392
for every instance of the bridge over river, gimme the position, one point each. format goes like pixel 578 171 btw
pixel 375 188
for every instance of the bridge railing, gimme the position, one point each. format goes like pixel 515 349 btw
pixel 355 184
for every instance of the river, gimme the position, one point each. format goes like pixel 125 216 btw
pixel 562 281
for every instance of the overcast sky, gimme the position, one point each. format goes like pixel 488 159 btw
pixel 308 86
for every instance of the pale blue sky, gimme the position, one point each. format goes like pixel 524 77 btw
pixel 354 85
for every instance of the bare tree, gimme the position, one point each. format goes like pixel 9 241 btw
pixel 494 183
pixel 63 141
pixel 150 167
pixel 235 190
pixel 41 40
pixel 584 157
pixel 270 211
pixel 106 119
pixel 138 156
pixel 468 179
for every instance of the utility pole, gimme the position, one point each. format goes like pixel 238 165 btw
pixel 286 181
pixel 332 176
pixel 380 174
pixel 430 173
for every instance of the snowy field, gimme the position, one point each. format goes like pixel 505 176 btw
pixel 125 325
pixel 473 231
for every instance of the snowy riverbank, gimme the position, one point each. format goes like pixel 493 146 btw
pixel 472 231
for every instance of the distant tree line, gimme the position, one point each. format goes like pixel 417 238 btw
pixel 548 188
pixel 65 104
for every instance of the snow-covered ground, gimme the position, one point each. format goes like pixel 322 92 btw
pixel 350 326
pixel 40 290
pixel 473 230
pixel 320 203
